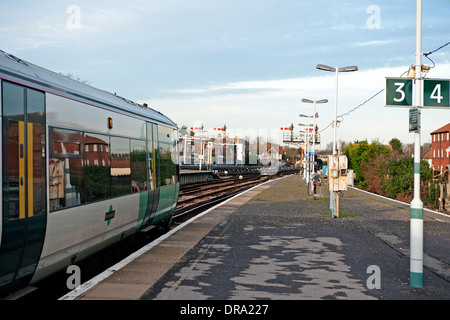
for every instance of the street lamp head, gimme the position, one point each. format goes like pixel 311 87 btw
pixel 311 101
pixel 305 116
pixel 348 69
pixel 344 69
pixel 325 68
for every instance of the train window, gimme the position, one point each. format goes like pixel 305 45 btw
pixel 175 156
pixel 138 166
pixel 166 166
pixel 36 141
pixel 120 166
pixel 24 174
pixel 168 157
pixel 165 135
pixel 97 167
pixel 152 155
pixel 66 171
pixel 156 157
pixel 13 119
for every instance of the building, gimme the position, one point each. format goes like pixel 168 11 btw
pixel 440 147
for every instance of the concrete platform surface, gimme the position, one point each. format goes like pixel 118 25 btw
pixel 275 242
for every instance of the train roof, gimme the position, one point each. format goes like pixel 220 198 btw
pixel 18 69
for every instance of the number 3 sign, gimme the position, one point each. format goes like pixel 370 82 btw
pixel 399 92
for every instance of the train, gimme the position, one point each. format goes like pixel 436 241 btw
pixel 82 169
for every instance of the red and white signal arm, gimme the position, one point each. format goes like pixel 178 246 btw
pixel 285 128
pixel 218 129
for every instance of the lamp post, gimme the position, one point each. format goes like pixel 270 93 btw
pixel 316 115
pixel 416 220
pixel 314 128
pixel 334 196
pixel 306 170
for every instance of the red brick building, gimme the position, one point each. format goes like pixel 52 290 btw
pixel 440 148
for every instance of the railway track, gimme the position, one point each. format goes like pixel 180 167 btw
pixel 194 199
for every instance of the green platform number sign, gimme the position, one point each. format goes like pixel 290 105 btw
pixel 436 93
pixel 399 92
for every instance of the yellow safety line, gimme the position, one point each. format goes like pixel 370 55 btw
pixel 21 156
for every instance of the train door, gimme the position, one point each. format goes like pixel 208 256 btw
pixel 153 170
pixel 24 187
pixel 152 174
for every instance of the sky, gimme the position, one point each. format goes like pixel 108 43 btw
pixel 243 63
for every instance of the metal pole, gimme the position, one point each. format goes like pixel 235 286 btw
pixel 334 209
pixel 201 150
pixel 416 231
pixel 184 152
pixel 314 141
pixel 309 151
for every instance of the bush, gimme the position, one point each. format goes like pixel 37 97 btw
pixel 387 172
pixel 360 155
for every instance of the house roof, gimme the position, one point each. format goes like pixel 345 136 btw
pixel 445 128
pixel 428 154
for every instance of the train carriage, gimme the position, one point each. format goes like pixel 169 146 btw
pixel 81 169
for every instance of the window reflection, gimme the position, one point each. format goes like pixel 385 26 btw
pixel 120 166
pixel 97 169
pixel 86 167
pixel 66 182
pixel 167 153
pixel 138 166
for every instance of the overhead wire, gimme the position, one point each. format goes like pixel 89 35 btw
pixel 379 92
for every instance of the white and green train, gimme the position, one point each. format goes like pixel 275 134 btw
pixel 81 169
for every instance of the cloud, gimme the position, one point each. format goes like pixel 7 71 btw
pixel 375 43
pixel 272 104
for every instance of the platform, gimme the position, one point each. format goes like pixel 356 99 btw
pixel 192 176
pixel 275 242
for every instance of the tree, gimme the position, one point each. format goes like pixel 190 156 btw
pixel 184 130
pixel 360 153
pixel 75 77
pixel 396 145
pixel 355 152
pixel 390 173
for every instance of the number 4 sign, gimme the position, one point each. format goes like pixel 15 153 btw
pixel 399 93
pixel 436 93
